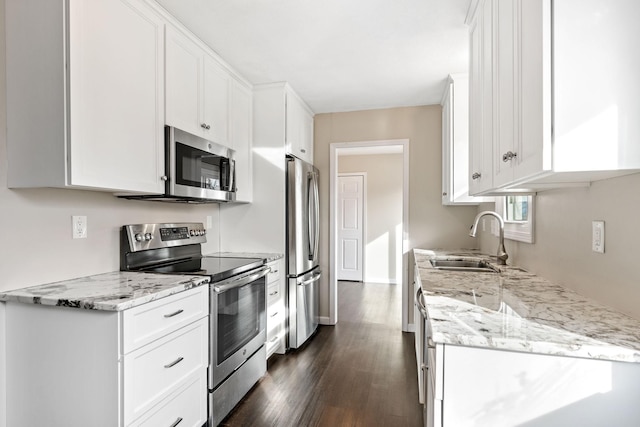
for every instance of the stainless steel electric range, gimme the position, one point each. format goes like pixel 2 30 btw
pixel 237 305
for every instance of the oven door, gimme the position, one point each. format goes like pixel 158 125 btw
pixel 237 322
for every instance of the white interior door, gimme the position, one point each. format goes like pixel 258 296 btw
pixel 350 227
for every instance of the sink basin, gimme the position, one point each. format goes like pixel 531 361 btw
pixel 477 266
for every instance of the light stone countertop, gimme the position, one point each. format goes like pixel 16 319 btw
pixel 117 290
pixel 519 311
pixel 114 291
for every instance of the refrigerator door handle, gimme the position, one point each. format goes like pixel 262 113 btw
pixel 315 278
pixel 311 228
pixel 316 219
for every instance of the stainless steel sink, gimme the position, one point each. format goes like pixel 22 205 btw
pixel 477 266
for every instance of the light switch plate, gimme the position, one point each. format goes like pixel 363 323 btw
pixel 597 236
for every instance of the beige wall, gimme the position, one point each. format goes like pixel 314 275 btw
pixel 562 249
pixel 431 225
pixel 383 239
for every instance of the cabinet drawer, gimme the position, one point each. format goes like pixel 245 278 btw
pixel 152 372
pixel 148 322
pixel 276 271
pixel 187 407
pixel 274 293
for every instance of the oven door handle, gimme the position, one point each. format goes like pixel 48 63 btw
pixel 240 281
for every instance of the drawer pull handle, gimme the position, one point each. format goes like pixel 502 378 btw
pixel 174 363
pixel 175 313
pixel 178 421
pixel 274 339
pixel 274 314
pixel 273 293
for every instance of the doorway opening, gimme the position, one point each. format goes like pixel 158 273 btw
pixel 384 252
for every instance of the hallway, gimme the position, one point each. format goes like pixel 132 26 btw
pixel 361 372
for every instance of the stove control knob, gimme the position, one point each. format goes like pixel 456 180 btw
pixel 200 233
pixel 138 237
pixel 204 232
pixel 192 233
pixel 148 236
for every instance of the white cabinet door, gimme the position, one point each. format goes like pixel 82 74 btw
pixel 455 143
pixel 85 102
pixel 116 95
pixel 522 138
pixel 184 82
pixel 481 100
pixel 215 104
pixel 197 89
pixel 241 139
pixel 299 129
pixel 307 135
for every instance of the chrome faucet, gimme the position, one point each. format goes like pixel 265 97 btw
pixel 502 253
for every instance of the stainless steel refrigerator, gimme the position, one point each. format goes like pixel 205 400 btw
pixel 303 238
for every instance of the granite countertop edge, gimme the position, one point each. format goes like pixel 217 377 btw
pixel 553 320
pixel 118 290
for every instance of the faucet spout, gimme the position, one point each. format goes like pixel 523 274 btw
pixel 502 253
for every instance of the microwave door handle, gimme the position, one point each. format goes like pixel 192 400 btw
pixel 232 175
pixel 225 285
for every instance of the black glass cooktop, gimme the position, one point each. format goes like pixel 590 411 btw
pixel 219 268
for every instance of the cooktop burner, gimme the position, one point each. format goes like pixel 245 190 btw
pixel 219 268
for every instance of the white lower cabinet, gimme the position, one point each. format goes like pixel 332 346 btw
pixel 139 367
pixel 276 309
pixel 482 387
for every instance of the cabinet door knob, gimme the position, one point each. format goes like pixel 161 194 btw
pixel 476 175
pixel 509 155
pixel 303 150
pixel 444 194
pixel 164 177
pixel 205 126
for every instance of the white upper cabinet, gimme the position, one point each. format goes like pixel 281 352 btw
pixel 455 143
pixel 558 80
pixel 197 89
pixel 299 128
pixel 85 103
pixel 241 140
pixel 480 100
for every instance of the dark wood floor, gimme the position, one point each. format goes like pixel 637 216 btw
pixel 360 372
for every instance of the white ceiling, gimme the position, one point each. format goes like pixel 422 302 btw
pixel 338 55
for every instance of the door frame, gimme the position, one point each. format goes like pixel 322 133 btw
pixel 334 151
pixel 364 218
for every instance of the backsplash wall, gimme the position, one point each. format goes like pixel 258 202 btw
pixel 562 250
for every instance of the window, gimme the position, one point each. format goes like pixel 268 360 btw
pixel 518 213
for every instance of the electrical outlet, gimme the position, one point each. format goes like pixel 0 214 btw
pixel 79 227
pixel 209 222
pixel 597 236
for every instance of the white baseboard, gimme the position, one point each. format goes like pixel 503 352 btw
pixel 325 321
pixel 381 280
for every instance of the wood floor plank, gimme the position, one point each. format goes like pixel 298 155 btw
pixel 360 372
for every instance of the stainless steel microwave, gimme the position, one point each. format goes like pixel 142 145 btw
pixel 196 170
